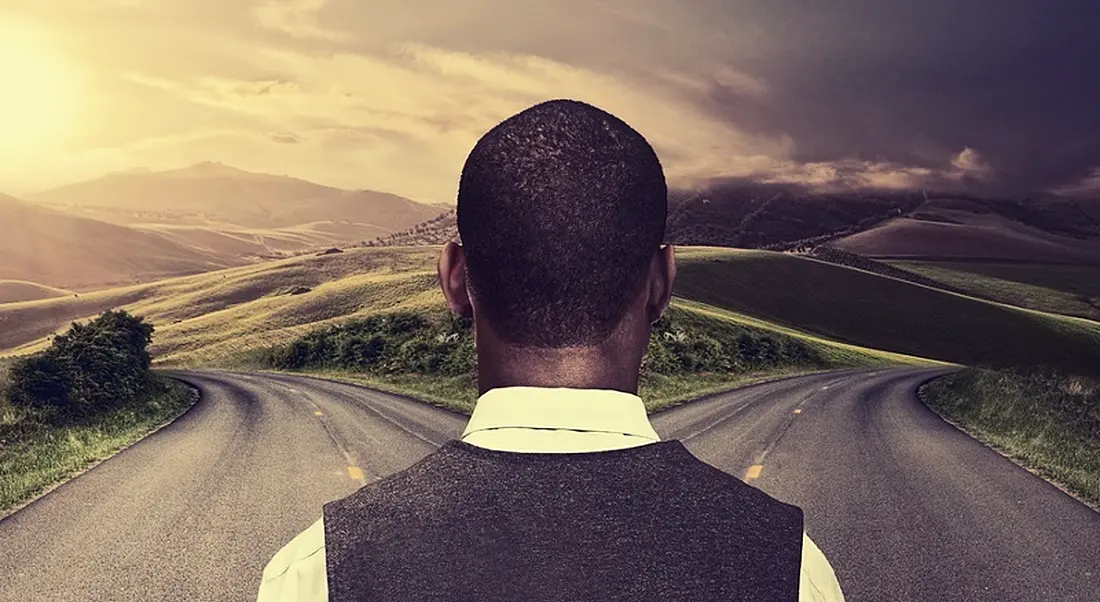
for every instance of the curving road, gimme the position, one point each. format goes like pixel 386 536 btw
pixel 905 506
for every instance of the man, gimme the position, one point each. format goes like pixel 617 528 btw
pixel 559 488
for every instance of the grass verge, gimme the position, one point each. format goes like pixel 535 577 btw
pixel 35 456
pixel 1047 422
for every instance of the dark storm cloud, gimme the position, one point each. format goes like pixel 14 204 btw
pixel 914 84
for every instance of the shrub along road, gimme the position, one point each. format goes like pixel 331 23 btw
pixel 905 506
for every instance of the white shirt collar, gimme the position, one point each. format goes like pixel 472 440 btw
pixel 560 408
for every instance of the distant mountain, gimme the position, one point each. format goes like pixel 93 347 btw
pixel 51 248
pixel 875 223
pixel 218 196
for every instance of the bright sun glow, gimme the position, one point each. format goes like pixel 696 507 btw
pixel 38 92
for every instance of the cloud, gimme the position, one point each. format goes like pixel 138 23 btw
pixel 846 174
pixel 841 95
pixel 428 106
pixel 297 18
pixel 405 118
pixel 1087 187
pixel 285 138
pixel 968 163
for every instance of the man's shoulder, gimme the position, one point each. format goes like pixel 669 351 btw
pixel 456 471
pixel 297 571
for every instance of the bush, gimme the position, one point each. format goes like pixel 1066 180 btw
pixel 395 343
pixel 409 343
pixel 39 382
pixel 683 343
pixel 90 368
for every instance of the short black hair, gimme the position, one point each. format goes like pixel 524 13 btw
pixel 561 207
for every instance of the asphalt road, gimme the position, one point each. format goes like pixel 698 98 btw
pixel 905 506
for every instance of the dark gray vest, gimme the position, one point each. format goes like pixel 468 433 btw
pixel 468 524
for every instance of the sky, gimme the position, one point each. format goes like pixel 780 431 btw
pixel 994 96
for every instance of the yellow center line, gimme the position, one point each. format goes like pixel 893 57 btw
pixel 754 472
pixel 356 474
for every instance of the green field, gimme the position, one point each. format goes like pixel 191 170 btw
pixel 1072 290
pixel 871 311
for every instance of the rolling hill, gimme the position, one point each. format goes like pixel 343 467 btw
pixel 218 318
pixel 1072 290
pixel 238 307
pixel 209 317
pixel 13 291
pixel 967 230
pixel 744 215
pixel 870 310
pixel 51 248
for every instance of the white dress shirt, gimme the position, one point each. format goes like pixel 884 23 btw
pixel 526 419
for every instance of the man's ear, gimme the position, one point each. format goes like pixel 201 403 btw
pixel 662 275
pixel 452 279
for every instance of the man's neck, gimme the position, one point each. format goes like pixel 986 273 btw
pixel 577 368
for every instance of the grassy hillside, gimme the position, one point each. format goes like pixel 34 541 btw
pixel 436 231
pixel 223 313
pixel 223 317
pixel 883 313
pixel 1047 421
pixel 1064 289
pixel 13 291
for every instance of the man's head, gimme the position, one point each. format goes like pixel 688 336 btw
pixel 561 214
